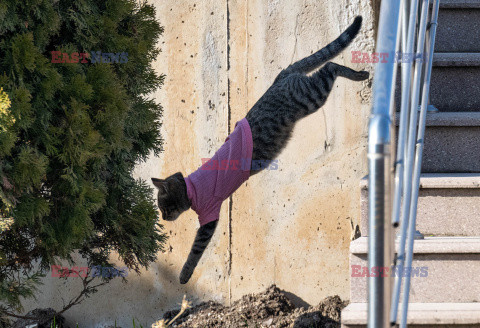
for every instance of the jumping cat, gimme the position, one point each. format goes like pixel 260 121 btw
pixel 258 137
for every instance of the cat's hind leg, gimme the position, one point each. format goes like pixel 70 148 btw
pixel 321 82
pixel 330 51
pixel 333 69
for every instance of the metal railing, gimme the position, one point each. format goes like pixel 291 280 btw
pixel 411 25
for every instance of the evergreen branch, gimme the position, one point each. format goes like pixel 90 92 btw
pixel 85 291
pixel 72 136
pixel 17 316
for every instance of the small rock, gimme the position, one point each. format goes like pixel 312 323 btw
pixel 268 322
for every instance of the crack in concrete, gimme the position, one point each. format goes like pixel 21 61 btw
pixel 327 144
pixel 230 199
pixel 296 39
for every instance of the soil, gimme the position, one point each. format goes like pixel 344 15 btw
pixel 270 308
pixel 44 319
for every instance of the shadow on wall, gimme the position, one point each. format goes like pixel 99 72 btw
pixel 164 293
pixel 173 296
pixel 144 297
pixel 375 4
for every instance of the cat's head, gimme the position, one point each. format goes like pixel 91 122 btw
pixel 172 196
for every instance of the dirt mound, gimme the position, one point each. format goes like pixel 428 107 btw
pixel 268 309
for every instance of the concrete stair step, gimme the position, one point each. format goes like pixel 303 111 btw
pixel 421 315
pixel 448 205
pixel 458 27
pixel 455 82
pixel 456 88
pixel 450 141
pixel 450 4
pixel 445 269
pixel 462 59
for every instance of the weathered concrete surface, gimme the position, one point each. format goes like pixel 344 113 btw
pixel 291 226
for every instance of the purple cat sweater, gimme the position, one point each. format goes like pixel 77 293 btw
pixel 221 175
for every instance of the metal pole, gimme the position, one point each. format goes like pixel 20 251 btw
pixel 379 254
pixel 419 151
pixel 403 156
pixel 408 49
pixel 401 135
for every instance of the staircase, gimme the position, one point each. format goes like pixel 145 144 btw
pixel 446 292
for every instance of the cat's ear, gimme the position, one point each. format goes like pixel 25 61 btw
pixel 178 175
pixel 160 184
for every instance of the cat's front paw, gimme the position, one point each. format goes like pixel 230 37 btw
pixel 185 275
pixel 364 75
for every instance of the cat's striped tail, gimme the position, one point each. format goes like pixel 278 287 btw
pixel 314 61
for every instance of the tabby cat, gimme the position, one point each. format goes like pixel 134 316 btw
pixel 293 95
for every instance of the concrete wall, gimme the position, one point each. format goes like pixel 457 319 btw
pixel 290 226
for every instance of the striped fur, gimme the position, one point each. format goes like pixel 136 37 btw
pixel 292 96
pixel 295 95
